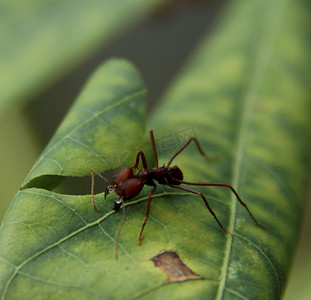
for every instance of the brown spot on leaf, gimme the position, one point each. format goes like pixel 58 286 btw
pixel 173 267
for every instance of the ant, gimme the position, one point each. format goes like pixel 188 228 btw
pixel 128 184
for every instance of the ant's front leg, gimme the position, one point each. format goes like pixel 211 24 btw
pixel 143 159
pixel 147 213
pixel 116 241
pixel 142 155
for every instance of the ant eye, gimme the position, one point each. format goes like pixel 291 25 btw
pixel 108 190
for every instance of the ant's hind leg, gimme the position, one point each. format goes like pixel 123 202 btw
pixel 226 185
pixel 147 214
pixel 205 201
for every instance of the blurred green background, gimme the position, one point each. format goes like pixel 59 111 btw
pixel 157 37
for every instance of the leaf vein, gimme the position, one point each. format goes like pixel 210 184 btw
pixel 265 257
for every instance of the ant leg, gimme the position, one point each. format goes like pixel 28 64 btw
pixel 154 149
pixel 185 145
pixel 226 185
pixel 143 159
pixel 205 201
pixel 92 186
pixel 147 214
pixel 116 242
pixel 142 155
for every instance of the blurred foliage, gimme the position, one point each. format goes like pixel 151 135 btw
pixel 18 151
pixel 43 40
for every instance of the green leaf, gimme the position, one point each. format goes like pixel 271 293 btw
pixel 247 96
pixel 105 121
pixel 55 246
pixel 43 40
pixel 108 120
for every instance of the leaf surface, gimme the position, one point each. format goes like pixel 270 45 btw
pixel 256 123
pixel 102 130
pixel 249 104
pixel 105 121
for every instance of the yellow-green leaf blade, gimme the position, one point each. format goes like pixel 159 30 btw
pixel 246 94
pixel 260 151
pixel 105 121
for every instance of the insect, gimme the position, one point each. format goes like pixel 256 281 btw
pixel 129 182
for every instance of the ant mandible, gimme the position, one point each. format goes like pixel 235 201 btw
pixel 127 184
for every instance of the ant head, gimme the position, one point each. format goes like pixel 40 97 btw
pixel 174 173
pixel 123 175
pixel 108 190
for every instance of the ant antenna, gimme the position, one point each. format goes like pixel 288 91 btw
pixel 93 172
